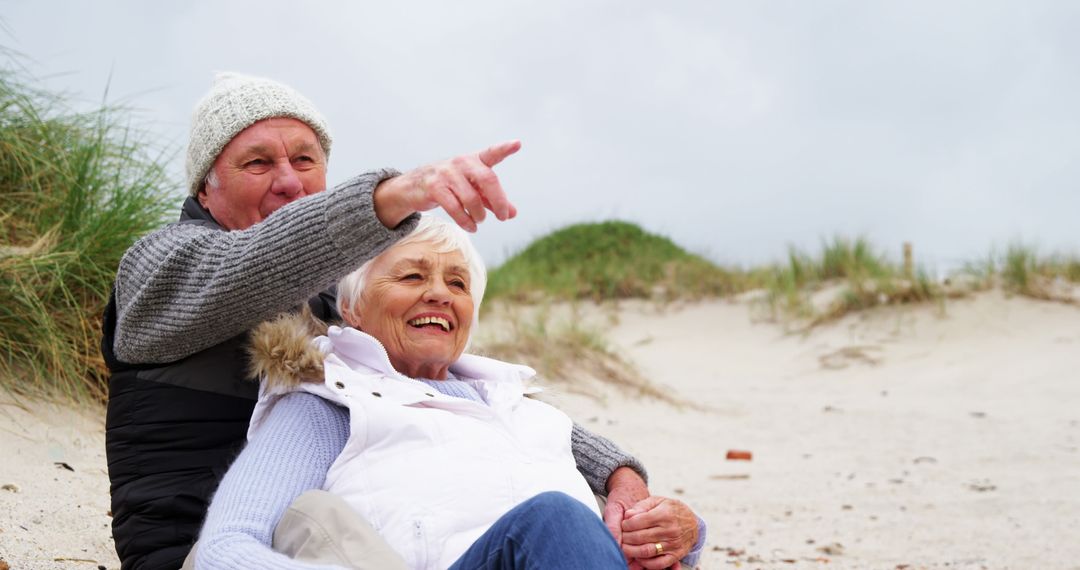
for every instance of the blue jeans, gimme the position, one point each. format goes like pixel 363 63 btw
pixel 550 530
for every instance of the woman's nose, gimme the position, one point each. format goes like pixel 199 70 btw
pixel 437 292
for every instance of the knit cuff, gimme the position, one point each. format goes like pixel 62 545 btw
pixel 694 556
pixel 351 218
pixel 597 458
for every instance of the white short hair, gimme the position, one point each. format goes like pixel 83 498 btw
pixel 444 237
pixel 211 180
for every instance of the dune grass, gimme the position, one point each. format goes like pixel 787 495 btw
pixel 599 262
pixel 1024 272
pixel 567 351
pixel 616 260
pixel 851 275
pixel 856 276
pixel 608 260
pixel 76 190
pixel 613 260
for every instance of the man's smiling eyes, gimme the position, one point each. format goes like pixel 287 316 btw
pixel 263 163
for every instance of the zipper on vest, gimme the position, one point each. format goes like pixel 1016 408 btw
pixel 420 544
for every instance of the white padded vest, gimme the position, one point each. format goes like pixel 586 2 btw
pixel 431 472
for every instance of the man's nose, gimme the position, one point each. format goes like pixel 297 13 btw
pixel 286 180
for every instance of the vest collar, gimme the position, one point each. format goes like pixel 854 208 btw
pixel 494 379
pixel 193 210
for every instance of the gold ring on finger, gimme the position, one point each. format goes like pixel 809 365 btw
pixel 659 548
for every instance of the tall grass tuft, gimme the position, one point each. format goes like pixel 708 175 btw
pixel 76 190
pixel 1071 270
pixel 851 275
pixel 570 353
pixel 1018 268
pixel 608 260
pixel 1024 272
pixel 855 260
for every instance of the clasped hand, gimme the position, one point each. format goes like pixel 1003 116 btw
pixel 658 520
pixel 639 522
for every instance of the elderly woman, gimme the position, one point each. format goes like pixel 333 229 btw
pixel 442 452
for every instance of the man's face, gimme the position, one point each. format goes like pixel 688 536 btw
pixel 269 164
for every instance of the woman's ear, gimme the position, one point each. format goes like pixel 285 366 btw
pixel 349 314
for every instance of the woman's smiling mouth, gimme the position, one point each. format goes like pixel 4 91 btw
pixel 420 322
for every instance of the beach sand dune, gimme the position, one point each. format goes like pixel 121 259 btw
pixel 894 438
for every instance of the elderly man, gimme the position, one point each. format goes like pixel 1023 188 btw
pixel 258 236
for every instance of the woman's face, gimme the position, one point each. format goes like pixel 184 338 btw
pixel 417 303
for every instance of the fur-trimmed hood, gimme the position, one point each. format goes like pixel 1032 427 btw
pixel 281 352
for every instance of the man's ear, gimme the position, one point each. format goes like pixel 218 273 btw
pixel 201 197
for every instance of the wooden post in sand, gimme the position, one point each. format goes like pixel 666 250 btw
pixel 909 263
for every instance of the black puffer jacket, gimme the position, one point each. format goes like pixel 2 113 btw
pixel 171 432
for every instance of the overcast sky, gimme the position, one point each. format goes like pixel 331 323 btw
pixel 733 128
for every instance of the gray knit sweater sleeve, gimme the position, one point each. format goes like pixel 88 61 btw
pixel 597 458
pixel 188 287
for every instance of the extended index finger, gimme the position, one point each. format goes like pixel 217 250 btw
pixel 495 154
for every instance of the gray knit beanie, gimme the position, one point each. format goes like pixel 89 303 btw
pixel 234 103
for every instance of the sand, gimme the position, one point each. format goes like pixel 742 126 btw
pixel 54 504
pixel 894 438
